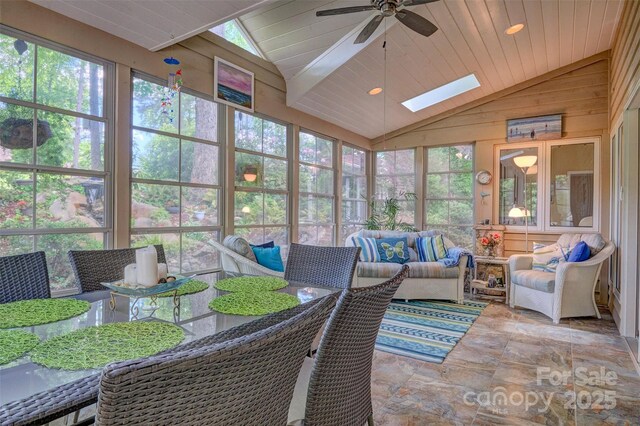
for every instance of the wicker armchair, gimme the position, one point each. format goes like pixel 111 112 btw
pixel 24 276
pixel 235 262
pixel 248 380
pixel 53 404
pixel 568 292
pixel 339 382
pixel 91 267
pixel 324 266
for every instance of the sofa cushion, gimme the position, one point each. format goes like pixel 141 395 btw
pixel 393 250
pixel 431 249
pixel 536 280
pixel 240 246
pixel 431 270
pixel 378 270
pixel 368 249
pixel 410 236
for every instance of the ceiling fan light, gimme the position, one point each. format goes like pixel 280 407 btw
pixel 375 91
pixel 514 29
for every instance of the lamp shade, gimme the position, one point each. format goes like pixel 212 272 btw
pixel 250 173
pixel 516 212
pixel 525 160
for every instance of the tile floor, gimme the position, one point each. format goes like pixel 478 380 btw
pixel 515 367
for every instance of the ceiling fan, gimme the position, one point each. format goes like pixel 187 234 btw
pixel 388 8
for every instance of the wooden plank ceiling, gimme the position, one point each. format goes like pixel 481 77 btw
pixel 153 24
pixel 471 39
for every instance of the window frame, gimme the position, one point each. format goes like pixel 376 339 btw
pixel 366 200
pixel 426 198
pixel 286 192
pixel 544 183
pixel 35 169
pixel 334 197
pixel 220 186
pixel 415 174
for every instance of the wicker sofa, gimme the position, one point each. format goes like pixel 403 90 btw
pixel 427 280
pixel 237 257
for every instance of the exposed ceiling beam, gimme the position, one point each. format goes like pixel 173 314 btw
pixel 180 37
pixel 332 59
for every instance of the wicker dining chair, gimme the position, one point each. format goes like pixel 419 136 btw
pixel 91 267
pixel 47 406
pixel 248 380
pixel 324 266
pixel 337 383
pixel 23 277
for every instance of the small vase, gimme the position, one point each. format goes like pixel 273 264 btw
pixel 488 251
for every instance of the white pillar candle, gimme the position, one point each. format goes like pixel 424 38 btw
pixel 130 275
pixel 147 266
pixel 162 271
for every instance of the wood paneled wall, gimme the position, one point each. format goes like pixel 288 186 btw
pixel 578 91
pixel 625 60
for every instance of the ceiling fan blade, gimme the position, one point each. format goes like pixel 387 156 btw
pixel 416 22
pixel 416 2
pixel 343 10
pixel 369 29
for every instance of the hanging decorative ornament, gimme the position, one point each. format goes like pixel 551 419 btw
pixel 174 84
pixel 20 46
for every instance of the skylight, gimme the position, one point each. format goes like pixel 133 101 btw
pixel 233 32
pixel 442 93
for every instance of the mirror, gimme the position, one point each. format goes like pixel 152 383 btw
pixel 518 186
pixel 572 185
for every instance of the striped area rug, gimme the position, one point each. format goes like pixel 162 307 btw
pixel 426 330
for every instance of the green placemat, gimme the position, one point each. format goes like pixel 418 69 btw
pixel 15 343
pixel 262 303
pixel 96 346
pixel 251 284
pixel 26 313
pixel 191 287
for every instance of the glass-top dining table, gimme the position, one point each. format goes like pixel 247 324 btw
pixel 22 378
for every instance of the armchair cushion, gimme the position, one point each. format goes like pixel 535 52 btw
pixel 240 246
pixel 536 280
pixel 547 258
pixel 580 252
pixel 269 257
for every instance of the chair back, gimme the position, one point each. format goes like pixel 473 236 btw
pixel 23 277
pixel 91 267
pixel 340 385
pixel 248 380
pixel 325 266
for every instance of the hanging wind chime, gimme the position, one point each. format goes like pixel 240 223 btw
pixel 174 84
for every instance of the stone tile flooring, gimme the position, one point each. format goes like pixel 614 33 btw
pixel 514 367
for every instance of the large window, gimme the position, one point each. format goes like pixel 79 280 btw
pixel 354 190
pixel 175 175
pixel 449 192
pixel 317 194
pixel 395 178
pixel 55 134
pixel 261 180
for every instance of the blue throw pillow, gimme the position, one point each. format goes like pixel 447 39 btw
pixel 580 252
pixel 393 250
pixel 269 257
pixel 270 244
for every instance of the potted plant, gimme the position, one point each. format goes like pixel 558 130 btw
pixel 385 216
